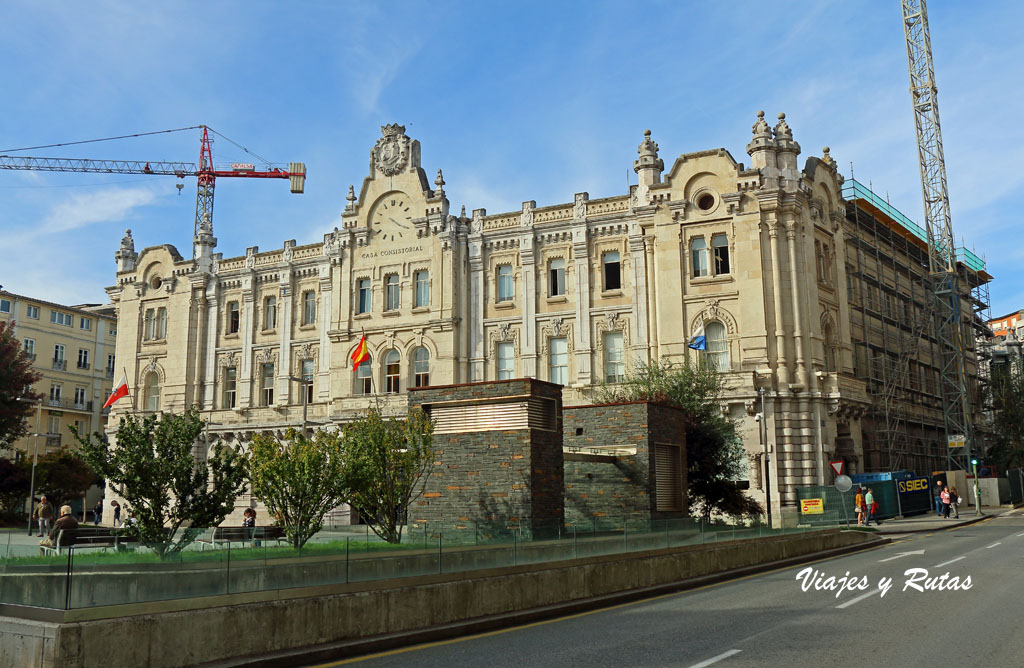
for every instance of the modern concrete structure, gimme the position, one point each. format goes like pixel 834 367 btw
pixel 571 293
pixel 73 348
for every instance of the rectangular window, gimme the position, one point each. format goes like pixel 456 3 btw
pixel 270 313
pixel 267 384
pixel 55 421
pixel 55 393
pixel 559 356
pixel 161 323
pixel 149 328
pixel 233 318
pixel 30 348
pixel 83 358
pixel 699 257
pixel 720 246
pixel 32 312
pixel 5 306
pixel 79 397
pixel 614 358
pixel 556 278
pixel 308 307
pixel 506 285
pixel 230 386
pixel 506 368
pixel 85 323
pixel 365 295
pixel 422 289
pixel 61 318
pixel 307 379
pixel 58 357
pixel 110 365
pixel 393 293
pixel 612 271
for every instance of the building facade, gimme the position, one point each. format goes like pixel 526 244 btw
pixel 73 347
pixel 572 293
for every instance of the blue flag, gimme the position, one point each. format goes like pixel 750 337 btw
pixel 697 341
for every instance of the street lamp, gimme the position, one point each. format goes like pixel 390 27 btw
pixel 762 433
pixel 35 453
pixel 977 491
pixel 305 398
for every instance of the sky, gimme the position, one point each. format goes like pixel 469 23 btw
pixel 514 101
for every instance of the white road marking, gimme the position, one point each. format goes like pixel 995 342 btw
pixel 947 563
pixel 857 599
pixel 902 554
pixel 1020 534
pixel 716 659
pixel 989 547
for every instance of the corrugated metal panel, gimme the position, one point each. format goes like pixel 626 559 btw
pixel 668 478
pixel 534 413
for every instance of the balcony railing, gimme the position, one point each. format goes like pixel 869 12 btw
pixel 110 372
pixel 69 404
pixel 83 365
pixel 60 365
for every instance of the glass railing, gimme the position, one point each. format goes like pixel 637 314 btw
pixel 120 570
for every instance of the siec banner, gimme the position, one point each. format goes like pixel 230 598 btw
pixel 912 485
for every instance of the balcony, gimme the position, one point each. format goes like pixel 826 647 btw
pixel 83 365
pixel 60 365
pixel 110 372
pixel 57 402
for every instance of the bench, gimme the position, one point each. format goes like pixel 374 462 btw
pixel 85 537
pixel 243 535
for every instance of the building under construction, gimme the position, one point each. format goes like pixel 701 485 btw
pixel 894 332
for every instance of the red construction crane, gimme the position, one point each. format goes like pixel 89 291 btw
pixel 205 172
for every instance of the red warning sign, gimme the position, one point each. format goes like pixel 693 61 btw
pixel 837 466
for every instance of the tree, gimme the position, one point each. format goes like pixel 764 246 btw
pixel 16 379
pixel 153 468
pixel 63 475
pixel 299 480
pixel 714 453
pixel 384 464
pixel 14 486
pixel 1006 450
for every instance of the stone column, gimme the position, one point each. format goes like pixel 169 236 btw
pixel 581 260
pixel 638 310
pixel 284 321
pixel 323 383
pixel 528 262
pixel 794 278
pixel 780 335
pixel 652 297
pixel 474 327
pixel 210 376
pixel 246 325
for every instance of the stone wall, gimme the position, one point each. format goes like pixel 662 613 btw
pixel 617 485
pixel 494 479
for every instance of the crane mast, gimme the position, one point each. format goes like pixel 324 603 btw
pixel 943 272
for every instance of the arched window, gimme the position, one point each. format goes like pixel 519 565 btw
pixel 392 371
pixel 364 377
pixel 717 345
pixel 422 367
pixel 699 257
pixel 152 385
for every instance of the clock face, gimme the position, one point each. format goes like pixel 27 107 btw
pixel 392 218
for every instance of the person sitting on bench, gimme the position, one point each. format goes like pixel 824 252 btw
pixel 67 522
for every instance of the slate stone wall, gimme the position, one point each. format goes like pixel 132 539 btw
pixel 490 481
pixel 618 486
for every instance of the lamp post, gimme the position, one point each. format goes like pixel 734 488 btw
pixel 762 432
pixel 35 452
pixel 305 398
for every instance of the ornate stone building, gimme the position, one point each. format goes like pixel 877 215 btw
pixel 570 293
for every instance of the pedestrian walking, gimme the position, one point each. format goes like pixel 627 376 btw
pixel 117 512
pixel 872 507
pixel 97 513
pixel 944 496
pixel 859 509
pixel 938 498
pixel 44 514
pixel 955 501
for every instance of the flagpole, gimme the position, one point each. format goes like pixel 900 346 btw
pixel 124 370
pixel 373 385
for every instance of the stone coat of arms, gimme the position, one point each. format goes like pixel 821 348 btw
pixel 392 150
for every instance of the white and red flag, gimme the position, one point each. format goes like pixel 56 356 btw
pixel 120 390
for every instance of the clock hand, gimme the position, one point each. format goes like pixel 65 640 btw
pixel 397 223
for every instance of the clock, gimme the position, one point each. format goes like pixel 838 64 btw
pixel 391 219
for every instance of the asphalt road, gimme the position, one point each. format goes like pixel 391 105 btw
pixel 768 620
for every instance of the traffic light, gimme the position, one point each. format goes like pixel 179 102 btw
pixel 975 460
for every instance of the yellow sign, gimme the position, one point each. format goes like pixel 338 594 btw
pixel 956 440
pixel 812 506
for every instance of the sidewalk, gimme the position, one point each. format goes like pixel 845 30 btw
pixel 931 522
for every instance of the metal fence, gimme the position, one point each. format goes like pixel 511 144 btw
pixel 840 507
pixel 1016 479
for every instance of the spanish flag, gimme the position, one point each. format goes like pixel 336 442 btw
pixel 360 354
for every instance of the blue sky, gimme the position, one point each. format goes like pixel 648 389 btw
pixel 513 100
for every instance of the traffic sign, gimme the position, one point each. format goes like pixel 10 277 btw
pixel 844 483
pixel 837 466
pixel 956 440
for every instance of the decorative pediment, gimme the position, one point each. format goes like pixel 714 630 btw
pixel 713 310
pixel 554 328
pixel 612 322
pixel 266 356
pixel 503 333
pixel 227 360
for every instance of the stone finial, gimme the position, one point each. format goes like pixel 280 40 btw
pixel 439 182
pixel 125 256
pixel 826 158
pixel 462 214
pixel 127 243
pixel 761 129
pixel 351 197
pixel 648 166
pixel 782 130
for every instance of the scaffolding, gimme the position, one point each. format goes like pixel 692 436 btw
pixel 893 321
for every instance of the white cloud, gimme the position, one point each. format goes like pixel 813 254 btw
pixel 80 210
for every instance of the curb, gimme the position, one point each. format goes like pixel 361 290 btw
pixel 945 527
pixel 307 656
